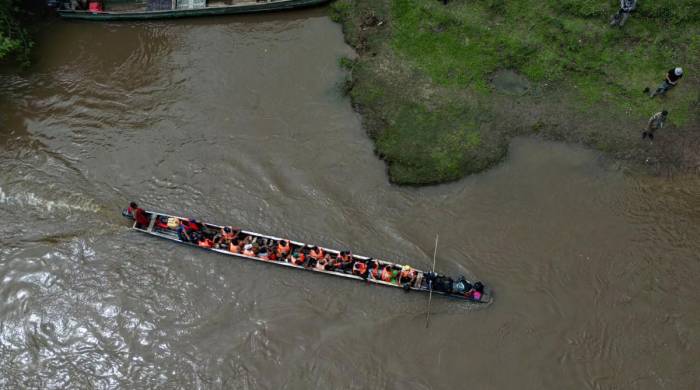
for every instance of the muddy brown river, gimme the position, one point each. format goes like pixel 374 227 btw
pixel 241 120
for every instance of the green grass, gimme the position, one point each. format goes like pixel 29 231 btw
pixel 564 47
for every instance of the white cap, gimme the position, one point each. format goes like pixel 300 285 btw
pixel 678 71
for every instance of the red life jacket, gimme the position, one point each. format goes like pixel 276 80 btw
pixel 386 275
pixel 359 268
pixel 189 226
pixel 375 272
pixel 299 260
pixel 206 243
pixel 140 217
pixel 161 225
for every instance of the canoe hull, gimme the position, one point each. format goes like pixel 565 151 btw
pixel 194 12
pixel 172 236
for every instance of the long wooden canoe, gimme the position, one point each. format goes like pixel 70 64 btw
pixel 210 8
pixel 419 283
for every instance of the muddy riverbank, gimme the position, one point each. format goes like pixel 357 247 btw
pixel 443 89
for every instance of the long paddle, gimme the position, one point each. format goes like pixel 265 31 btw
pixel 430 295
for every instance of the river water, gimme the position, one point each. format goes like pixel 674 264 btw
pixel 241 120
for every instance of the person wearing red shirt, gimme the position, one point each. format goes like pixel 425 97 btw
pixel 140 215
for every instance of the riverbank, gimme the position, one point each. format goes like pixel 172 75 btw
pixel 443 88
pixel 15 40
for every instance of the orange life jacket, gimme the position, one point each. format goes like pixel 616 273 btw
pixel 206 243
pixel 374 272
pixel 316 253
pixel 283 249
pixel 228 236
pixel 234 248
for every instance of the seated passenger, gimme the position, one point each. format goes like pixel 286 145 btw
pixel 234 246
pixel 316 253
pixel 408 275
pixel 321 264
pixel 439 282
pixel 299 258
pixel 283 248
pixel 248 250
pixel 333 262
pixel 184 232
pixel 191 227
pixel 287 256
pixel 271 254
pixel 205 242
pixel 478 291
pixel 374 269
pixel 193 224
pixel 262 253
pixel 360 269
pixel 224 236
pixel 161 223
pixel 345 261
pixel 389 274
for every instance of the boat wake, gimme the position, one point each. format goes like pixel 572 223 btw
pixel 29 199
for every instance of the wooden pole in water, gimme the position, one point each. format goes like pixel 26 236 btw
pixel 430 295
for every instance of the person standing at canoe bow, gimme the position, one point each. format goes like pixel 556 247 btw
pixel 140 215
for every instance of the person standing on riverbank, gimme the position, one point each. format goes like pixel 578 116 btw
pixel 669 82
pixel 626 7
pixel 656 122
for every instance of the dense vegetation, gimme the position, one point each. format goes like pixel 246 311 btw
pixel 423 79
pixel 13 37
